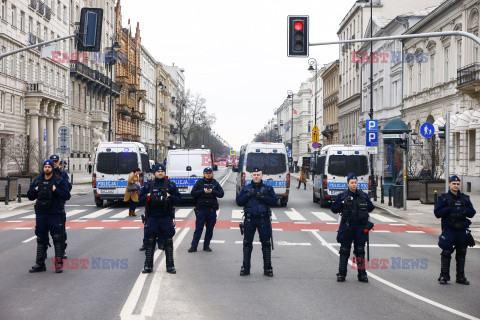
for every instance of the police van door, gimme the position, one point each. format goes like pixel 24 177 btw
pixel 128 160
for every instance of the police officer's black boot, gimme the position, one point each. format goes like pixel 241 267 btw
pixel 59 246
pixel 446 256
pixel 143 247
pixel 460 257
pixel 267 258
pixel 41 256
pixel 362 272
pixel 247 253
pixel 169 255
pixel 149 252
pixel 342 267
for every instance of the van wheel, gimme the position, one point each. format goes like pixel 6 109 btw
pixel 98 202
pixel 323 203
pixel 315 199
pixel 283 203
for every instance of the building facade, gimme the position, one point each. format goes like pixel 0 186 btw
pixel 177 102
pixel 147 105
pixel 163 97
pixel 330 100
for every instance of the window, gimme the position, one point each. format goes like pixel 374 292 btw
pixel 410 79
pixel 22 67
pixel 432 70
pixel 22 21
pixel 420 76
pixel 22 109
pixel 13 64
pixel 64 14
pixel 59 9
pixel 446 57
pixel 2 65
pixel 459 54
pixel 3 13
pixel 309 108
pixel 471 145
pixel 14 16
pixel 30 24
pixel 12 104
pixel 342 165
pixel 2 101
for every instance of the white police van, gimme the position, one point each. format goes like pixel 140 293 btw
pixel 185 167
pixel 112 164
pixel 271 158
pixel 333 165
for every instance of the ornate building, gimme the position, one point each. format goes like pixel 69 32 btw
pixel 330 100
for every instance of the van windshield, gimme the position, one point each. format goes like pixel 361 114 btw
pixel 269 163
pixel 117 163
pixel 341 165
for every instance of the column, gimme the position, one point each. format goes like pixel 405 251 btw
pixel 477 152
pixel 463 153
pixel 34 148
pixel 50 115
pixel 56 125
pixel 452 159
pixel 42 124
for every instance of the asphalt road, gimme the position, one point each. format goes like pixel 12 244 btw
pixel 103 278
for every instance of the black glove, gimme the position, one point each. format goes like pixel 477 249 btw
pixel 259 196
pixel 252 193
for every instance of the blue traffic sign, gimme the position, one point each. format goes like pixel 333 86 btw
pixel 315 145
pixel 372 126
pixel 372 139
pixel 427 130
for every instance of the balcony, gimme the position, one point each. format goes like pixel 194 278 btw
pixel 122 80
pixel 141 94
pixel 142 116
pixel 136 115
pixel 99 116
pixel 124 109
pixel 95 79
pixel 48 13
pixel 468 80
pixel 32 39
pixel 44 91
pixel 33 4
pixel 41 8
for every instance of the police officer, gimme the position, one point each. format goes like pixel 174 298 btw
pixel 454 208
pixel 160 195
pixel 205 193
pixel 64 176
pixel 256 199
pixel 354 206
pixel 50 192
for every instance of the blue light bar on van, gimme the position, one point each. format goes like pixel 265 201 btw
pixel 257 150
pixel 357 152
pixel 339 152
pixel 108 150
pixel 275 151
pixel 126 149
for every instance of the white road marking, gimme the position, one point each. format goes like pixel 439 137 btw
pixel 14 221
pixel 415 231
pixel 94 228
pixel 97 214
pixel 384 245
pixel 398 288
pixel 381 231
pixel 381 218
pixel 397 224
pixel 294 215
pixel 214 241
pixel 78 220
pixel 274 217
pixel 182 213
pixel 306 222
pixel 323 216
pixel 423 245
pixel 74 212
pixel 14 213
pixel 23 228
pixel 237 214
pixel 29 239
pixel 277 229
pixel 130 228
pixel 254 242
pixel 121 214
pixel 109 220
pixel 286 243
pixel 31 216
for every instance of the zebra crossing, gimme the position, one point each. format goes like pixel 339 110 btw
pixel 78 213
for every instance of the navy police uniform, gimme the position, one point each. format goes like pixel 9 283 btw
pixel 454 210
pixel 354 208
pixel 64 176
pixel 49 211
pixel 160 212
pixel 256 199
pixel 206 206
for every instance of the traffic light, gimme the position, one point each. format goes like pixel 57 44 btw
pixel 298 36
pixel 90 32
pixel 441 131
pixel 404 142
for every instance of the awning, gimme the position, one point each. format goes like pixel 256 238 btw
pixel 463 122
pixel 453 122
pixel 475 121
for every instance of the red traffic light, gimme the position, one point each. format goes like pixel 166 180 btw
pixel 298 25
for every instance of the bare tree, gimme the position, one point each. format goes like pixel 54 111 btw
pixel 20 156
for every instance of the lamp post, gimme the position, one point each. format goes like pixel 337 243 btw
pixel 313 62
pixel 158 83
pixel 113 60
pixel 290 96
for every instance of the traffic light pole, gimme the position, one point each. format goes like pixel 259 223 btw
pixel 447 151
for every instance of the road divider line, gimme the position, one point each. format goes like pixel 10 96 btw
pixel 398 288
pixel 29 239
pixel 30 228
pixel 94 228
pixel 214 241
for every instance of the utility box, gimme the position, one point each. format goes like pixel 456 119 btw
pixel 398 196
pixel 12 185
pixel 427 190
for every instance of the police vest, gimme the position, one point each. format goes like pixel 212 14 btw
pixel 355 210
pixel 458 217
pixel 207 200
pixel 158 197
pixel 45 193
pixel 254 207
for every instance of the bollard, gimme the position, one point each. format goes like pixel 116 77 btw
pixel 71 178
pixel 390 196
pixel 375 184
pixel 435 197
pixel 382 196
pixel 19 195
pixel 7 195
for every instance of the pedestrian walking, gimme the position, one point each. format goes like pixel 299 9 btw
pixel 50 193
pixel 160 195
pixel 354 206
pixel 303 178
pixel 454 208
pixel 256 199
pixel 132 191
pixel 205 193
pixel 90 166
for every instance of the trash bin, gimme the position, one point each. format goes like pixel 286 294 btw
pixel 398 196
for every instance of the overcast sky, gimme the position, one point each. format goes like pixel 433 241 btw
pixel 235 52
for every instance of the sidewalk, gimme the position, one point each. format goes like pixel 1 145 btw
pixel 417 213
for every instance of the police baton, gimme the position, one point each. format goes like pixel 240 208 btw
pixel 368 227
pixel 271 233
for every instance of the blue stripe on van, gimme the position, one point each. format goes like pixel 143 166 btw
pixel 273 183
pixel 184 182
pixel 343 185
pixel 112 184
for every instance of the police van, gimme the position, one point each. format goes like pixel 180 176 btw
pixel 112 164
pixel 333 165
pixel 185 167
pixel 271 158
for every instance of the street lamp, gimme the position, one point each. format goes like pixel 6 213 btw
pixel 290 96
pixel 158 84
pixel 313 62
pixel 113 60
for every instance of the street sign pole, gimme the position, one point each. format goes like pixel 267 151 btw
pixel 447 151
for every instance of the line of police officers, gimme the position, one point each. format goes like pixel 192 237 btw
pixel 52 189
